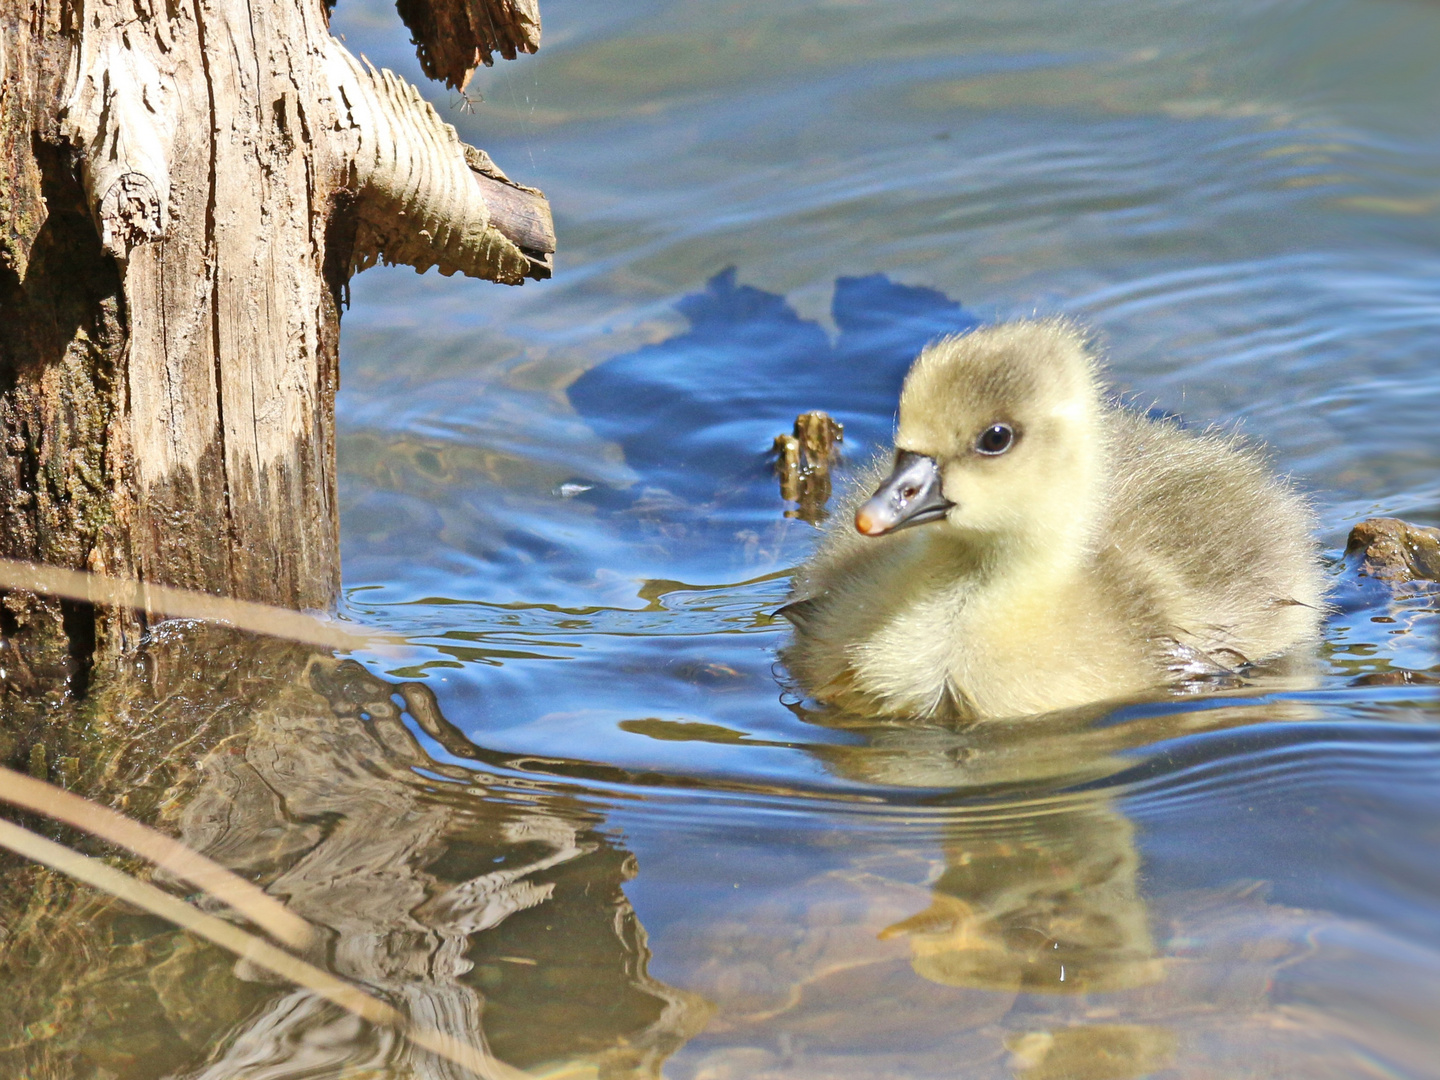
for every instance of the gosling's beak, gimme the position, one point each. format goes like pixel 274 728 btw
pixel 909 496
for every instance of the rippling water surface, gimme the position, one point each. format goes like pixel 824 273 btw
pixel 627 843
pixel 559 495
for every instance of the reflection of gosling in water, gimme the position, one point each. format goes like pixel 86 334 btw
pixel 1069 550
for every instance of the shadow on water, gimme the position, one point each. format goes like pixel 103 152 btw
pixel 698 408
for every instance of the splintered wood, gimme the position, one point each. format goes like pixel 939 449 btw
pixel 520 214
pixel 802 462
pixel 453 37
pixel 389 136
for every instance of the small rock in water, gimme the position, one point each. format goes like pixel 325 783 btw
pixel 1395 550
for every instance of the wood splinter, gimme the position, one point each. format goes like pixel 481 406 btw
pixel 802 462
pixel 520 214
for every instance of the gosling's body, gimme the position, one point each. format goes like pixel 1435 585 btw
pixel 1101 554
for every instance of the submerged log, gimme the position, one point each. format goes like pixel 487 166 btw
pixel 184 194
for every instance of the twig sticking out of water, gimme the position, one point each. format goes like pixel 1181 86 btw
pixel 803 460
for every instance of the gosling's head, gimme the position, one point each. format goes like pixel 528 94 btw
pixel 998 437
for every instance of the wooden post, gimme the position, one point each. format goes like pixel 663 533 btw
pixel 185 190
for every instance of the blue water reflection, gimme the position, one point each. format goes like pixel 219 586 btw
pixel 695 411
pixel 560 497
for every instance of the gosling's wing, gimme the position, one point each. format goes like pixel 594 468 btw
pixel 1223 542
pixel 1194 670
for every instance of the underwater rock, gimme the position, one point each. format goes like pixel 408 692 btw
pixel 1394 550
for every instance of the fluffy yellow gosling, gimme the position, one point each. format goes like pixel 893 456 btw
pixel 1037 547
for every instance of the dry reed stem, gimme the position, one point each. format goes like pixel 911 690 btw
pixel 165 852
pixel 249 947
pixel 181 604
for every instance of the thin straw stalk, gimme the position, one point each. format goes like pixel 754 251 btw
pixel 249 947
pixel 165 852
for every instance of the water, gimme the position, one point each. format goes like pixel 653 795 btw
pixel 605 829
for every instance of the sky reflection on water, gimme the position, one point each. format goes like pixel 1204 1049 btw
pixel 766 211
pixel 583 816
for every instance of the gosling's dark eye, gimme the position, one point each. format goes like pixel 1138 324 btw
pixel 995 439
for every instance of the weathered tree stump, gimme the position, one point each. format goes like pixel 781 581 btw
pixel 184 192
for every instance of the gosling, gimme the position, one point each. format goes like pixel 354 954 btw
pixel 1038 547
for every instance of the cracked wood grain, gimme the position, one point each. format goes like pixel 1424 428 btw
pixel 185 190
